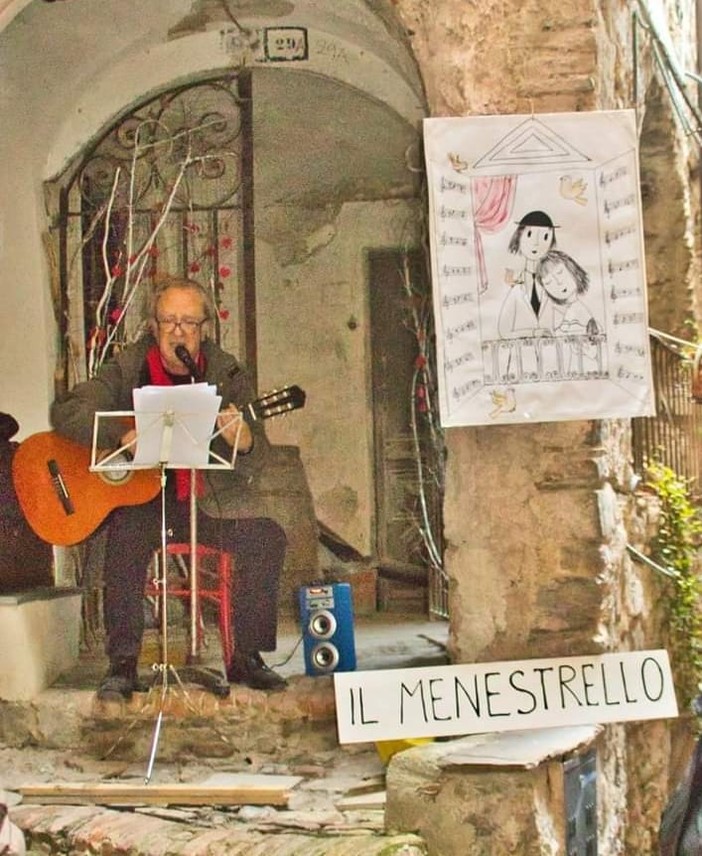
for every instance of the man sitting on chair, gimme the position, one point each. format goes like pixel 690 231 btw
pixel 181 311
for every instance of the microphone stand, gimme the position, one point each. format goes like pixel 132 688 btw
pixel 209 679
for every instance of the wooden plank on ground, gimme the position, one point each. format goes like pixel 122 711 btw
pixel 251 780
pixel 362 802
pixel 84 793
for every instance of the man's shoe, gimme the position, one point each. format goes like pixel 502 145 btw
pixel 250 669
pixel 121 681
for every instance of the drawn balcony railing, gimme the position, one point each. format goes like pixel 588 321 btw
pixel 537 359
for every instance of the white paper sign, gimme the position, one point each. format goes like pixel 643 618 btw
pixel 441 701
pixel 538 268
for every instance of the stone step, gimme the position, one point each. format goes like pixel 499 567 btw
pixel 82 829
pixel 64 734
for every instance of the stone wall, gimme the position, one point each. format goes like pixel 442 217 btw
pixel 537 519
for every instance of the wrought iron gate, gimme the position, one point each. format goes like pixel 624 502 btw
pixel 165 190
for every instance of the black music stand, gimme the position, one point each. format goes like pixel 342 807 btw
pixel 116 466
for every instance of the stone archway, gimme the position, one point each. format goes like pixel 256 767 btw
pixel 336 169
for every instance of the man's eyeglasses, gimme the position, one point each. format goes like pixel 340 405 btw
pixel 187 325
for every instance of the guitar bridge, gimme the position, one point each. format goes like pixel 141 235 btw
pixel 60 487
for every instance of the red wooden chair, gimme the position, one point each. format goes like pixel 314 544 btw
pixel 213 585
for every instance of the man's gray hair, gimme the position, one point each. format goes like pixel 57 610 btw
pixel 180 282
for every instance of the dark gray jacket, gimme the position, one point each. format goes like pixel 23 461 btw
pixel 229 493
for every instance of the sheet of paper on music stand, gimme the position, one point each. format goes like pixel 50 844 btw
pixel 193 408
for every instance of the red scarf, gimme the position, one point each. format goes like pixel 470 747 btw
pixel 160 377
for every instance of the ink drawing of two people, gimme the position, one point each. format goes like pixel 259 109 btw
pixel 545 297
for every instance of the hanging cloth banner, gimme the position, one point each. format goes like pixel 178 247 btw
pixel 538 268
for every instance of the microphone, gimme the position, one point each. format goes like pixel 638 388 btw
pixel 184 356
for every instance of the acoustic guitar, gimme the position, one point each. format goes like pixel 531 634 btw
pixel 64 502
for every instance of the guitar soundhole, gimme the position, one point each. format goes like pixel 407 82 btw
pixel 120 474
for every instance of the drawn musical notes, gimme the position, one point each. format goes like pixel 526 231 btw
pixel 465 388
pixel 635 350
pixel 459 329
pixel 453 213
pixel 457 299
pixel 627 374
pixel 467 357
pixel 447 240
pixel 628 318
pixel 608 177
pixel 619 293
pixel 448 184
pixel 618 234
pixel 456 270
pixel 624 202
pixel 622 267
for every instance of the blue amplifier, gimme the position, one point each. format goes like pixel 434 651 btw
pixel 326 616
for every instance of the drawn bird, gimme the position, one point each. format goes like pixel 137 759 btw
pixel 574 188
pixel 457 162
pixel 504 400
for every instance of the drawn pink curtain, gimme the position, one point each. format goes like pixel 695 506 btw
pixel 493 199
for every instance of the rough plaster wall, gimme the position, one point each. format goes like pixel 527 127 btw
pixel 502 56
pixel 557 579
pixel 614 74
pixel 526 589
pixel 313 319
